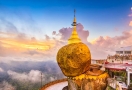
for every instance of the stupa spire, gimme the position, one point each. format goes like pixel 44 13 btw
pixel 74 38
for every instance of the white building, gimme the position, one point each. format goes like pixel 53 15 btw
pixel 129 72
pixel 124 51
pixel 122 55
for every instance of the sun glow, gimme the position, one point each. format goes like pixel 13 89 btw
pixel 23 45
pixel 93 41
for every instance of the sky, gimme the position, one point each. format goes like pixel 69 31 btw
pixel 32 29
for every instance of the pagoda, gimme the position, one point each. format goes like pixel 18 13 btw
pixel 74 38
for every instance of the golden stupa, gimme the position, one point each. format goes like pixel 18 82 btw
pixel 74 58
pixel 74 36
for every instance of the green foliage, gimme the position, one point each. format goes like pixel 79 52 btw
pixel 130 81
pixel 109 88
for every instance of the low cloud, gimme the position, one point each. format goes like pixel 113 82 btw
pixel 34 76
pixel 1 70
pixel 6 86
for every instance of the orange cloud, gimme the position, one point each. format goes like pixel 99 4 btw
pixel 14 45
pixel 22 47
pixel 21 42
pixel 130 24
pixel 11 43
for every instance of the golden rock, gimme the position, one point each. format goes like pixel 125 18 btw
pixel 74 59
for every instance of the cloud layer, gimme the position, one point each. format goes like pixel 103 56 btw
pixel 1 70
pixel 33 49
pixel 6 86
pixel 34 76
pixel 27 74
pixel 18 41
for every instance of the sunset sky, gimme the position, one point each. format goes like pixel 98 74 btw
pixel 36 29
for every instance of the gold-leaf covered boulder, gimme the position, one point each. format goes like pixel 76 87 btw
pixel 74 59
